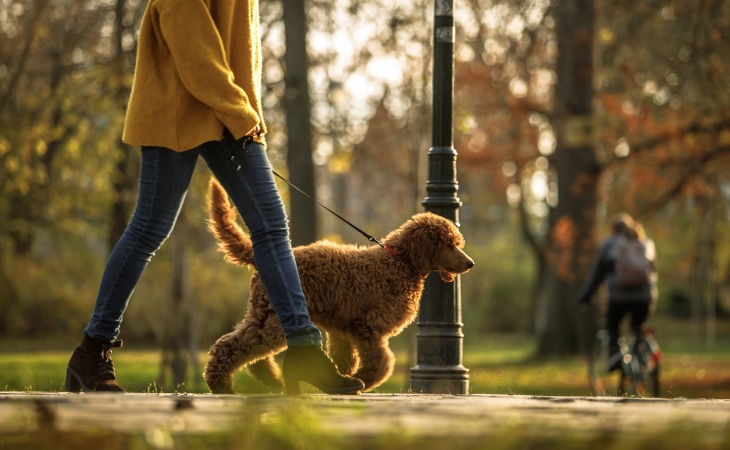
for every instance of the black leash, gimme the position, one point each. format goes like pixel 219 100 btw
pixel 369 237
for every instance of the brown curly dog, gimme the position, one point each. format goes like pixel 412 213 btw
pixel 359 296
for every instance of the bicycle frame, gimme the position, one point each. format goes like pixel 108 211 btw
pixel 639 368
pixel 640 365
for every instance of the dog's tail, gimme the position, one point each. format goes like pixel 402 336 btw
pixel 233 242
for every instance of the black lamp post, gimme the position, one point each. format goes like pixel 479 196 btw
pixel 439 366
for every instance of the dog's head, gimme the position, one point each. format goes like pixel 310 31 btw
pixel 431 243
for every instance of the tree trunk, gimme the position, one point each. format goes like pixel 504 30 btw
pixel 125 173
pixel 704 278
pixel 9 307
pixel 299 128
pixel 177 314
pixel 571 238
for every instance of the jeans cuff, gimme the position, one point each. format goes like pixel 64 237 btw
pixel 310 336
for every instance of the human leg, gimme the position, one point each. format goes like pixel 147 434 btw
pixel 639 312
pixel 249 182
pixel 164 179
pixel 614 313
pixel 244 171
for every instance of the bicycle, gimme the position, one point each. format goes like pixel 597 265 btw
pixel 640 364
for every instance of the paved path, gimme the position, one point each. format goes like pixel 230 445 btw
pixel 365 416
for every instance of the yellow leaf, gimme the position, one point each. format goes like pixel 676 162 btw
pixel 41 148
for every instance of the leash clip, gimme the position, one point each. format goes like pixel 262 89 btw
pixel 385 247
pixel 233 160
pixel 244 141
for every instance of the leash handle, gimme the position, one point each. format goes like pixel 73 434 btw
pixel 369 237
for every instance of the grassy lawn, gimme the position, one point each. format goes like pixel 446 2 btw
pixel 498 364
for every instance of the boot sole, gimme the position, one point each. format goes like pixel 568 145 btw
pixel 292 388
pixel 75 385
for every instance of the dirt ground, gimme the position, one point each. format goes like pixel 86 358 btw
pixel 370 416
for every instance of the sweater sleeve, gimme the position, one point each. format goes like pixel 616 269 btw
pixel 200 59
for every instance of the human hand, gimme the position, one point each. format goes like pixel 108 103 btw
pixel 256 131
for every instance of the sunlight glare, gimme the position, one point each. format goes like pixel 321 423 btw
pixel 514 195
pixel 546 144
pixel 509 169
pixel 542 163
pixel 386 68
pixel 518 87
pixel 538 185
pixel 622 149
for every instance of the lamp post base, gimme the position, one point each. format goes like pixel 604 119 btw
pixel 430 379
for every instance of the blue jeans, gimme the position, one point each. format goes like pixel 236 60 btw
pixel 245 173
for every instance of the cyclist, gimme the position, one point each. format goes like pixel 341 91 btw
pixel 622 301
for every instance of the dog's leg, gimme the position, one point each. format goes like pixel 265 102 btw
pixel 224 360
pixel 343 354
pixel 376 362
pixel 267 371
pixel 249 342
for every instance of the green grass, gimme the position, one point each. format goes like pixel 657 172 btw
pixel 498 364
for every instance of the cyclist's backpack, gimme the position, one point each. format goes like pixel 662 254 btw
pixel 631 266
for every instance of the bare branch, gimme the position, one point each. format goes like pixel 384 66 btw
pixel 693 170
pixel 30 38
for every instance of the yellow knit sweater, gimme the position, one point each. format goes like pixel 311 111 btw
pixel 198 71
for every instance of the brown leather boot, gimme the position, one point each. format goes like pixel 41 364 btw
pixel 91 367
pixel 310 364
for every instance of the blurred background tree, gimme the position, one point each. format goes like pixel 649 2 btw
pixel 665 135
pixel 60 122
pixel 658 127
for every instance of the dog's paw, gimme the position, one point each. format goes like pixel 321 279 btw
pixel 221 389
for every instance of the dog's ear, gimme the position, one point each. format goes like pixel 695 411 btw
pixel 422 245
pixel 415 241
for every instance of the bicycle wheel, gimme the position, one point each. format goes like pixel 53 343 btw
pixel 640 369
pixel 648 355
pixel 598 376
pixel 632 381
